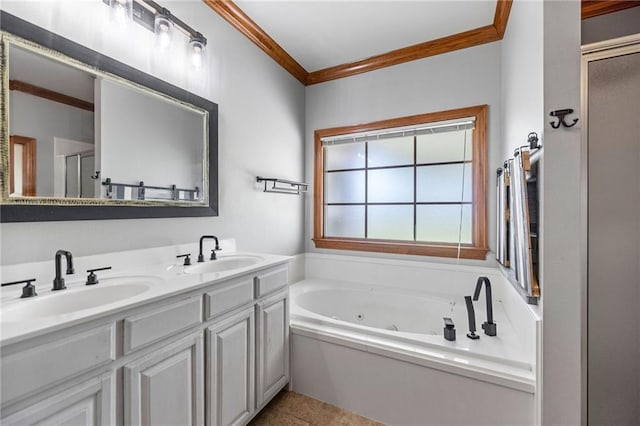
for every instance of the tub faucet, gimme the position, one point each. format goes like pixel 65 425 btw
pixel 58 281
pixel 488 326
pixel 208 237
pixel 471 314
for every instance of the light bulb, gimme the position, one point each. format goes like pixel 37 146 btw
pixel 197 45
pixel 163 28
pixel 164 39
pixel 121 11
pixel 196 59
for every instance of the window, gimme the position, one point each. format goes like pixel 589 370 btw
pixel 411 185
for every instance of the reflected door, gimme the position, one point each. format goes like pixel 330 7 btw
pixel 22 160
pixel 78 171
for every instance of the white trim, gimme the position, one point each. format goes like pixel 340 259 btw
pixel 608 45
pixel 425 128
pixel 507 376
pixel 414 263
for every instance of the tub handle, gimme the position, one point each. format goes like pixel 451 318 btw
pixel 449 329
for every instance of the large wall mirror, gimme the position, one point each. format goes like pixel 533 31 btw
pixel 87 137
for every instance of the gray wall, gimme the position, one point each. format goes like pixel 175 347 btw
pixel 613 25
pixel 261 116
pixel 522 90
pixel 43 120
pixel 522 83
pixel 454 80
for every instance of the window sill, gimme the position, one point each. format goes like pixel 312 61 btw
pixel 399 247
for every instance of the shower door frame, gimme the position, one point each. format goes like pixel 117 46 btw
pixel 79 156
pixel 591 52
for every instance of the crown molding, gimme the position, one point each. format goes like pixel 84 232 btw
pixel 592 8
pixel 501 17
pixel 230 12
pixel 475 37
pixel 487 34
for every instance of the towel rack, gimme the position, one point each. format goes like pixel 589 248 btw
pixel 283 186
pixel 189 194
pixel 517 204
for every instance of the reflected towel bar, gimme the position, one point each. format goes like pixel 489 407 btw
pixel 191 193
pixel 290 187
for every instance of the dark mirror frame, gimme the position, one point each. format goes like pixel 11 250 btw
pixel 54 212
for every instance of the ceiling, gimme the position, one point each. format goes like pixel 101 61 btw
pixel 52 75
pixel 323 40
pixel 322 34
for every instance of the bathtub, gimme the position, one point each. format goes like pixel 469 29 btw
pixel 380 351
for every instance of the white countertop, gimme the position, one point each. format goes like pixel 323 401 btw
pixel 161 272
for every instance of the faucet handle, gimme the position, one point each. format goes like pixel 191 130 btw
pixel 92 278
pixel 213 254
pixel 29 290
pixel 449 329
pixel 489 328
pixel 187 258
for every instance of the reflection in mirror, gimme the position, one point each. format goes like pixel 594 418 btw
pixel 86 137
pixel 98 137
pixel 51 104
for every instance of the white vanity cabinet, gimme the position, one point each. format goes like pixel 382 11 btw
pixel 166 386
pixel 89 403
pixel 247 352
pixel 213 355
pixel 47 363
pixel 273 346
pixel 231 369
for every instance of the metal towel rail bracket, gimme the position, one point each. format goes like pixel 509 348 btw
pixel 190 194
pixel 283 186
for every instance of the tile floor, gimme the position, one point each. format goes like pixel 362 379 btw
pixel 293 409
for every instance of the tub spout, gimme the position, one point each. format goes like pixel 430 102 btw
pixel 471 313
pixel 488 326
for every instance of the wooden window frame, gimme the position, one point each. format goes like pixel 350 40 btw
pixel 476 250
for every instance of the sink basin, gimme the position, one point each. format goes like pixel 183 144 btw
pixel 225 263
pixel 48 304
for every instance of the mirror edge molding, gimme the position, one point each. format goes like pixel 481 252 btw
pixel 66 211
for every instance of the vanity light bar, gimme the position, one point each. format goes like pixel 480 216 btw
pixel 145 11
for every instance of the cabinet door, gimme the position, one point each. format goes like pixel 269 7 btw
pixel 166 387
pixel 273 346
pixel 230 370
pixel 88 403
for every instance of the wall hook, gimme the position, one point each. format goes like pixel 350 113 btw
pixel 561 113
pixel 96 176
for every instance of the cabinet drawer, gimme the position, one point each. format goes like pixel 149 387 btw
pixel 271 281
pixel 148 327
pixel 89 403
pixel 38 367
pixel 228 298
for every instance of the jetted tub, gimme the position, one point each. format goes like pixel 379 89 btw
pixel 408 325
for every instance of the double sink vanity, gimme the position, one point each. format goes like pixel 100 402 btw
pixel 151 338
pixel 153 342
